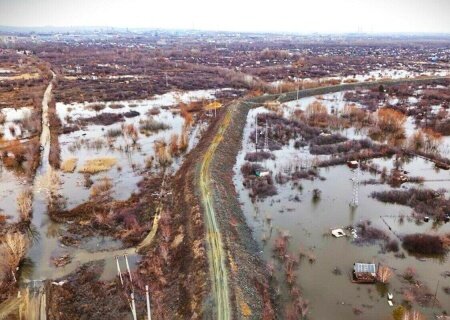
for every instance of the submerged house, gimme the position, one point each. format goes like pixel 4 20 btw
pixel 364 273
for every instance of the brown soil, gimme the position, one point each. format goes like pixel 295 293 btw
pixel 84 296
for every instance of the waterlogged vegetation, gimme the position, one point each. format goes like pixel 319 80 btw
pixel 88 202
pixel 116 173
pixel 296 184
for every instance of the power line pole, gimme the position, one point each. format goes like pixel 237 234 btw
pixel 149 315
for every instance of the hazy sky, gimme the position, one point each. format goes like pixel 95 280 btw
pixel 235 15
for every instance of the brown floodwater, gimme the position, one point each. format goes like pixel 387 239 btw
pixel 309 223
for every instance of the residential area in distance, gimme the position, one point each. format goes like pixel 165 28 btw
pixel 151 173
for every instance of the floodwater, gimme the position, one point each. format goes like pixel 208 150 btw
pixel 125 176
pixel 309 224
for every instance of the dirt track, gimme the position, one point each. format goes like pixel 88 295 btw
pixel 216 252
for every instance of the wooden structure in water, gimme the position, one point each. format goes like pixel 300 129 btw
pixel 364 273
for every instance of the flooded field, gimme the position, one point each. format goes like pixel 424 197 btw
pixel 305 216
pixel 130 155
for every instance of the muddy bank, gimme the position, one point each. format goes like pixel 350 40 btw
pixel 83 296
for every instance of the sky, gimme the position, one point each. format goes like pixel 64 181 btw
pixel 297 16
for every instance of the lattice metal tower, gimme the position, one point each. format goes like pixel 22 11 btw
pixel 355 181
pixel 256 132
pixel 266 138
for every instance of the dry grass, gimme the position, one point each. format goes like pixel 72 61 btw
pixel 130 132
pixel 24 204
pixel 2 118
pixel 102 190
pixel 97 165
pixel 14 246
pixel 184 138
pixel 162 153
pixel 69 165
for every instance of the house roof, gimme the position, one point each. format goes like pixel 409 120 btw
pixel 365 268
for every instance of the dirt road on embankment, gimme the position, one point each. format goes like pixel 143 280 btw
pixel 240 282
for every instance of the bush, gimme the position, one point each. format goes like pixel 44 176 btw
pixel 101 191
pixel 131 114
pixel 97 107
pixel 151 125
pixel 104 119
pixel 425 202
pixel 423 244
pixel 259 156
pixel 24 204
pixel 14 247
pixel 113 133
pixel 392 246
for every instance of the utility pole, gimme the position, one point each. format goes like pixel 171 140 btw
pixel 149 315
pixel 128 267
pixel 118 270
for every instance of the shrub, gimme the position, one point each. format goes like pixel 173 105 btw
pixel 392 246
pixel 113 133
pixel 131 114
pixel 259 156
pixel 97 107
pixel 390 120
pixel 162 153
pixel 184 138
pixel 101 191
pixel 24 204
pixel 423 244
pixel 116 106
pixel 423 201
pixel 104 119
pixel 369 234
pixel 174 147
pixel 15 246
pixel 151 125
pixel 129 131
pixel 153 111
pixel 384 274
pixel 328 139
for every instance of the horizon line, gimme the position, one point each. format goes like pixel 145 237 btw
pixel 131 29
